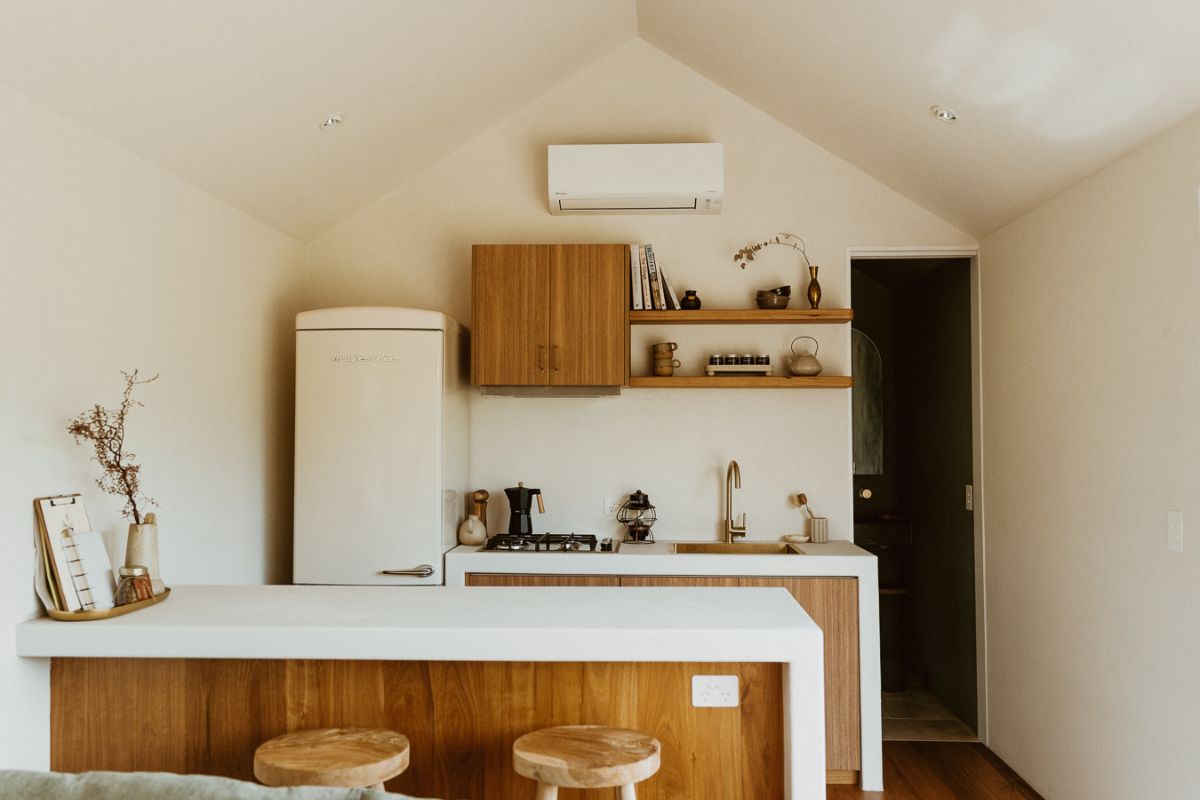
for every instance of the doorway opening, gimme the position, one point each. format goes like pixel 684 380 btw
pixel 914 483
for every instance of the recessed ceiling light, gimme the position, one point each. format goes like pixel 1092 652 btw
pixel 331 122
pixel 944 114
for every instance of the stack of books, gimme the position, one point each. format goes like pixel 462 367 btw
pixel 649 286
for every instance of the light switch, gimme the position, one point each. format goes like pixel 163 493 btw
pixel 969 497
pixel 715 691
pixel 1175 531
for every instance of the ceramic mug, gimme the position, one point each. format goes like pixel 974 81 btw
pixel 665 367
pixel 665 349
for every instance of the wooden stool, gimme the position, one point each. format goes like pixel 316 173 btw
pixel 586 757
pixel 348 757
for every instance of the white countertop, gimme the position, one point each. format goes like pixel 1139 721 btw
pixel 835 558
pixel 442 624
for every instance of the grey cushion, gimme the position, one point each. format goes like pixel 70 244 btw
pixel 21 785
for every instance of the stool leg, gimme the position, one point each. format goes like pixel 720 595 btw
pixel 627 792
pixel 546 791
pixel 378 786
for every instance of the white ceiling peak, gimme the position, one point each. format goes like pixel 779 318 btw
pixel 230 95
pixel 1047 91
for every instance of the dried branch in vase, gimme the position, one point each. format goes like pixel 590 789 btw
pixel 746 254
pixel 105 429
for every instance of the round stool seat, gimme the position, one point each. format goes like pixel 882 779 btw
pixel 347 757
pixel 586 756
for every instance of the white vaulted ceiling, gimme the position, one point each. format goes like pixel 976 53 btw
pixel 229 94
pixel 1047 91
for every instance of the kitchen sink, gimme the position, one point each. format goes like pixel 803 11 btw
pixel 745 548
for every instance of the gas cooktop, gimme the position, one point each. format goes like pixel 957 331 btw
pixel 548 543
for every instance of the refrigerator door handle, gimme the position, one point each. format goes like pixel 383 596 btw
pixel 422 571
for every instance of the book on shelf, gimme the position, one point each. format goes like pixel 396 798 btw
pixel 656 289
pixel 647 296
pixel 670 296
pixel 635 277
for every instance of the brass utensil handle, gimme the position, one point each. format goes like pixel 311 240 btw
pixel 422 571
pixel 541 505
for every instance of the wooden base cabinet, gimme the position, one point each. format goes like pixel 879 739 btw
pixel 833 605
pixel 207 716
pixel 549 315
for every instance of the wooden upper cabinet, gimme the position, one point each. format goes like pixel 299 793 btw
pixel 510 292
pixel 588 314
pixel 549 315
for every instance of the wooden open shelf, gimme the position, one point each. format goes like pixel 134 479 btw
pixel 742 316
pixel 741 382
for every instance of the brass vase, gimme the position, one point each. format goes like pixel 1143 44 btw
pixel 814 288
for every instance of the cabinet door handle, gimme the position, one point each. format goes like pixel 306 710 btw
pixel 542 357
pixel 423 571
pixel 556 359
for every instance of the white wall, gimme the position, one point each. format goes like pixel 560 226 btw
pixel 110 264
pixel 1091 400
pixel 413 248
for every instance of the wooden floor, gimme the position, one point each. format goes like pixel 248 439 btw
pixel 941 771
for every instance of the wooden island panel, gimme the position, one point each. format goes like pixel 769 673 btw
pixel 208 715
pixel 832 602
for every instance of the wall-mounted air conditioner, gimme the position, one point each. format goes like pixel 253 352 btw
pixel 636 178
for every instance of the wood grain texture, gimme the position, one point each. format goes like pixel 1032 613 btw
pixel 741 382
pixel 510 333
pixel 588 314
pixel 941 771
pixel 743 316
pixel 833 605
pixel 586 756
pixel 461 718
pixel 348 757
pixel 484 579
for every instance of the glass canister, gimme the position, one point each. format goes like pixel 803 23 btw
pixel 133 585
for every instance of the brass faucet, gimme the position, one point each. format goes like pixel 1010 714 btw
pixel 733 480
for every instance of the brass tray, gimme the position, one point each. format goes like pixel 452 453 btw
pixel 108 613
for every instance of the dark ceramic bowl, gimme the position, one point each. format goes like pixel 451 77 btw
pixel 772 300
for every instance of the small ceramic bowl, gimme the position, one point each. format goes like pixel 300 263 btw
pixel 796 538
pixel 772 300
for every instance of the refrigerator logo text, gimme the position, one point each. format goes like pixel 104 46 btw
pixel 354 359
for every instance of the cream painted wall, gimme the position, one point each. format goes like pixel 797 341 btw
pixel 1091 401
pixel 413 248
pixel 110 264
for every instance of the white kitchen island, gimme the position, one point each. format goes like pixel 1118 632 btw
pixel 248 628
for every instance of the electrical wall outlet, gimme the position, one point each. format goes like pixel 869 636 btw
pixel 1175 531
pixel 611 504
pixel 715 691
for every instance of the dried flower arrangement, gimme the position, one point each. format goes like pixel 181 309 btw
pixel 105 429
pixel 746 254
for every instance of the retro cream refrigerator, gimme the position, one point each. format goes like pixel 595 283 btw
pixel 381 445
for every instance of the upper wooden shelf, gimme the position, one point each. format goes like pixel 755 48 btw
pixel 742 316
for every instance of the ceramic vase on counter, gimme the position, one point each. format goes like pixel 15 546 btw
pixel 141 550
pixel 472 531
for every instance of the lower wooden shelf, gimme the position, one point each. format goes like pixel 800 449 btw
pixel 741 382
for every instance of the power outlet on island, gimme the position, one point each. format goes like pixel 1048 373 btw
pixel 715 691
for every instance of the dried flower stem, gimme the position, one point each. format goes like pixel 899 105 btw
pixel 746 254
pixel 105 429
